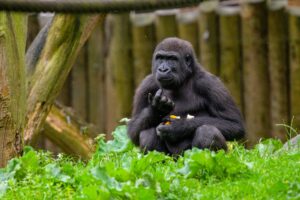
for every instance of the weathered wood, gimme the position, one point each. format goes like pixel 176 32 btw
pixel 119 70
pixel 208 33
pixel 255 71
pixel 79 83
pixel 33 28
pixel 66 36
pixel 230 48
pixel 69 132
pixel 96 77
pixel 188 26
pixel 165 24
pixel 144 41
pixel 294 50
pixel 278 69
pixel 12 84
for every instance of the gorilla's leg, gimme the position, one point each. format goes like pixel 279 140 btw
pixel 209 137
pixel 149 141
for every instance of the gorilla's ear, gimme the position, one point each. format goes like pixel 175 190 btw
pixel 188 59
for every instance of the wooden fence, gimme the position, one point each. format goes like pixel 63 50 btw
pixel 254 48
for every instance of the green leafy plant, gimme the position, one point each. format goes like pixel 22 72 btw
pixel 118 170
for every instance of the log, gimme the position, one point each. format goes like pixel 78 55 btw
pixel 96 77
pixel 119 70
pixel 69 132
pixel 255 71
pixel 278 68
pixel 188 26
pixel 143 35
pixel 230 48
pixel 66 36
pixel 165 24
pixel 12 84
pixel 208 36
pixel 294 59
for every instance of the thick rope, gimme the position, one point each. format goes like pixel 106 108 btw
pixel 92 6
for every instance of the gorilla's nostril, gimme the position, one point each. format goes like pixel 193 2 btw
pixel 163 69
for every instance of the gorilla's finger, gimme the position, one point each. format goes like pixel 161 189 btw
pixel 159 93
pixel 163 99
pixel 170 103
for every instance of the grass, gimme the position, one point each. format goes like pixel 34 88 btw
pixel 118 170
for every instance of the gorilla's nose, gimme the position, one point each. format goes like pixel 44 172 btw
pixel 164 70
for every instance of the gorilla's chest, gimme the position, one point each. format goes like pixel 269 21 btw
pixel 189 103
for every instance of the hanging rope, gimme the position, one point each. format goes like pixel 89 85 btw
pixel 92 6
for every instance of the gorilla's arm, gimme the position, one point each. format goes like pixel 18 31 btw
pixel 150 106
pixel 222 113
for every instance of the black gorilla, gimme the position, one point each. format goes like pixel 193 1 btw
pixel 179 86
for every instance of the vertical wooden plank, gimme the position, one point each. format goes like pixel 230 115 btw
pixel 119 70
pixel 278 68
pixel 208 33
pixel 143 36
pixel 230 51
pixel 255 70
pixel 79 84
pixel 188 26
pixel 294 50
pixel 166 24
pixel 96 77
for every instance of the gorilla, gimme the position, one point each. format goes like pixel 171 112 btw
pixel 180 105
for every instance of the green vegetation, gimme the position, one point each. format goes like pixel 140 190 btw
pixel 118 170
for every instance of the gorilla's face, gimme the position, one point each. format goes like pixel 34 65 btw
pixel 171 68
pixel 172 63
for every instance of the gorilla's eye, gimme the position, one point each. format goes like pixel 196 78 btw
pixel 188 59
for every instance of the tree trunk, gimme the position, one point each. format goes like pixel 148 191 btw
pixel 12 84
pixel 143 44
pixel 188 26
pixel 230 48
pixel 66 36
pixel 255 71
pixel 208 33
pixel 119 70
pixel 294 48
pixel 278 69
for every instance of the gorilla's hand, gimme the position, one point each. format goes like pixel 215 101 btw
pixel 172 132
pixel 161 103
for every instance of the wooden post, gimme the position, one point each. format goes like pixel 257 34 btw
pixel 294 49
pixel 96 78
pixel 188 26
pixel 12 84
pixel 255 70
pixel 230 51
pixel 143 32
pixel 119 70
pixel 166 24
pixel 79 83
pixel 278 68
pixel 208 33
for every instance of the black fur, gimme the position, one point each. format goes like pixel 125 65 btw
pixel 179 86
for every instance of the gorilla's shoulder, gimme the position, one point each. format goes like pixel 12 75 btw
pixel 148 84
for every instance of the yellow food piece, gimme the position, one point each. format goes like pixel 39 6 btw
pixel 174 117
pixel 167 123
